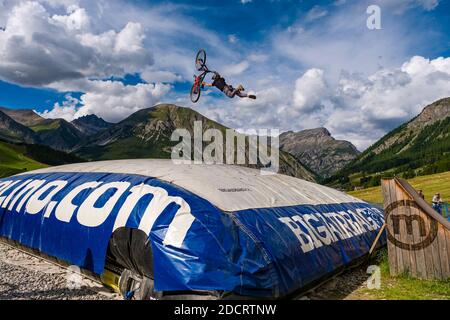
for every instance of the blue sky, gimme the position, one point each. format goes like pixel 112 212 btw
pixel 311 63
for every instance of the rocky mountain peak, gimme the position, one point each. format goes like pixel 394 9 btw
pixel 432 113
pixel 11 130
pixel 322 131
pixel 25 117
pixel 91 124
pixel 90 118
pixel 319 150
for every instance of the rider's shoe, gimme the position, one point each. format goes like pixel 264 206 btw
pixel 251 96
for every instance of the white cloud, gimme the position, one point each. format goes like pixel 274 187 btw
pixel 236 69
pixel 66 110
pixel 63 51
pixel 400 6
pixel 366 108
pixel 310 90
pixel 76 19
pixel 110 100
pixel 38 49
pixel 258 57
pixel 172 36
pixel 316 13
pixel 358 108
pixel 114 101
pixel 155 76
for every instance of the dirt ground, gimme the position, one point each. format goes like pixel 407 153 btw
pixel 349 285
pixel 25 277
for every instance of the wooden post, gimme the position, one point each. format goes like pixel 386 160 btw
pixel 418 236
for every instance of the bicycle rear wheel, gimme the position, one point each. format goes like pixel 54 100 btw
pixel 200 60
pixel 196 91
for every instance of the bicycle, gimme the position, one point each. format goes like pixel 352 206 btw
pixel 200 65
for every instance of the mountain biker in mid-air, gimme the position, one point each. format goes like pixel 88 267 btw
pixel 220 83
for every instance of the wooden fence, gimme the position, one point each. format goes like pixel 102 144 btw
pixel 418 237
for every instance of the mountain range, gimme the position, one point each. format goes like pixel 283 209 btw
pixel 144 134
pixel 58 134
pixel 419 146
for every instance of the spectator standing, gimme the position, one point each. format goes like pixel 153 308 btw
pixel 437 203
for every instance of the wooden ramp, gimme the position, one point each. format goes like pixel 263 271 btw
pixel 418 236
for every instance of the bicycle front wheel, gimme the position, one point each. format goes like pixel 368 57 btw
pixel 200 60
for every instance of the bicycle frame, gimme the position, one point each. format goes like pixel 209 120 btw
pixel 199 79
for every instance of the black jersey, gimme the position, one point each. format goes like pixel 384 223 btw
pixel 219 83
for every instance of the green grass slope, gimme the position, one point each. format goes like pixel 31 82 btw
pixel 13 160
pixel 17 158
